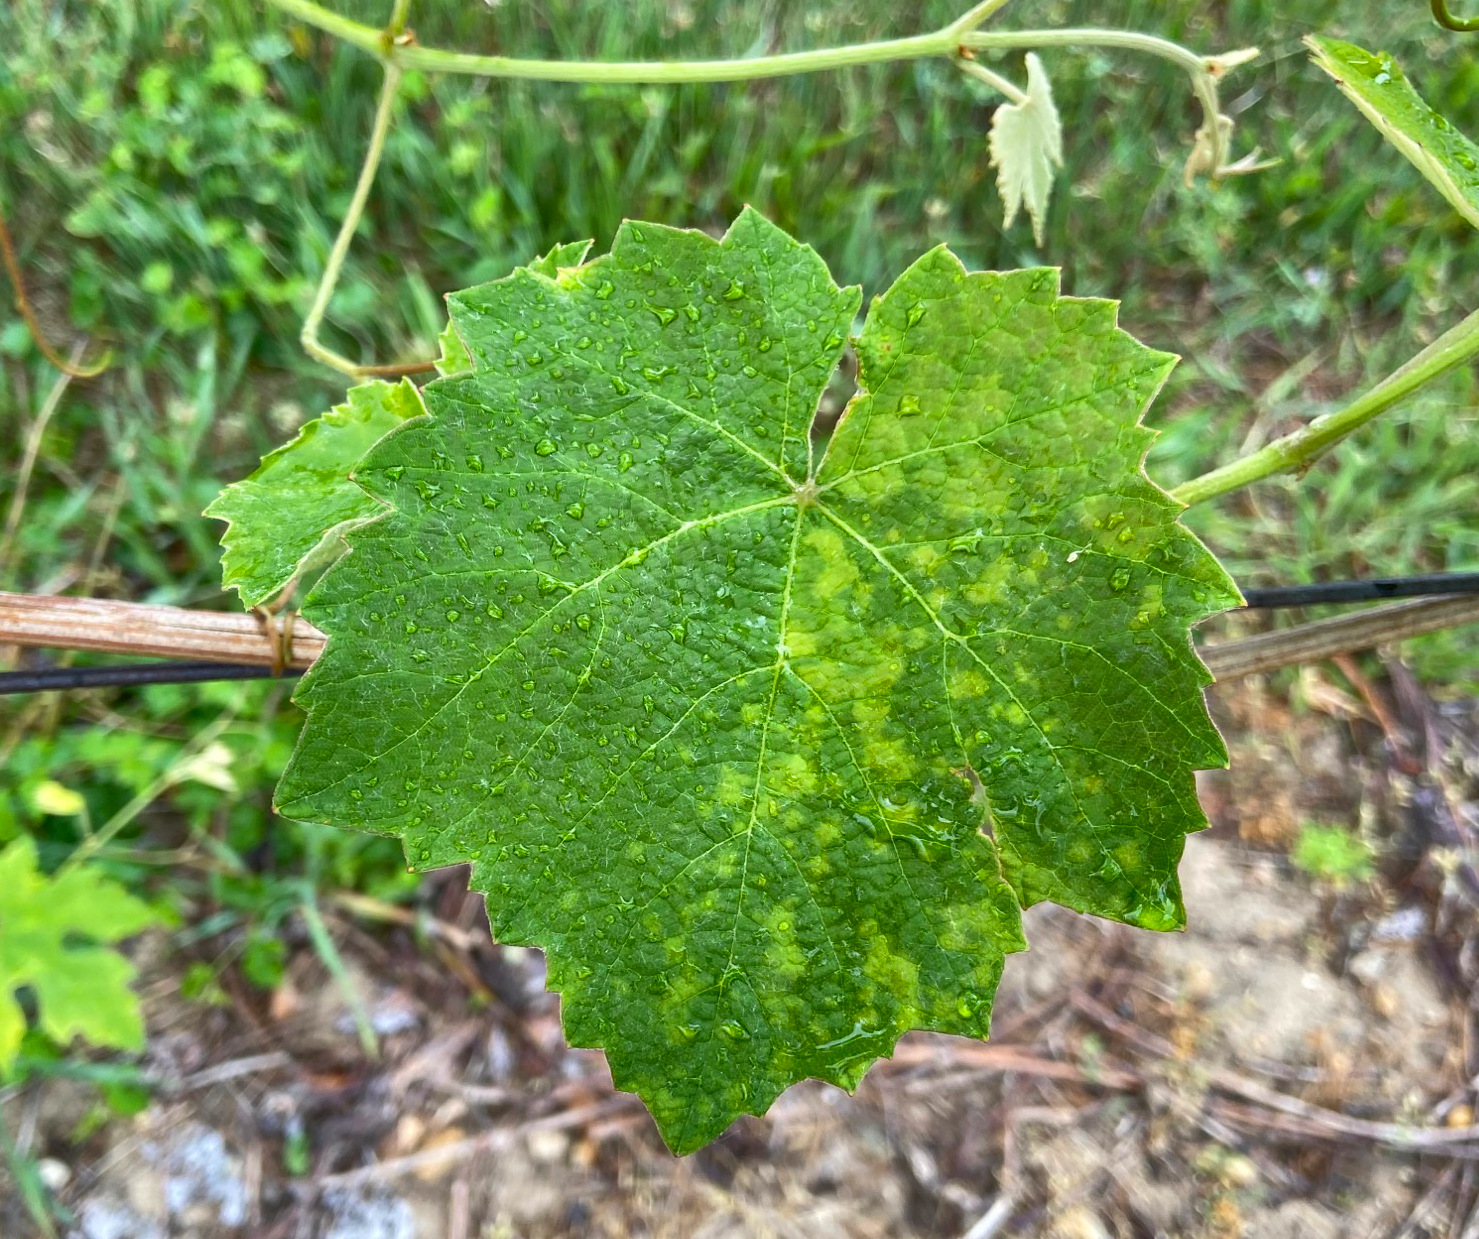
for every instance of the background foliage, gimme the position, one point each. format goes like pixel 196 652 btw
pixel 174 171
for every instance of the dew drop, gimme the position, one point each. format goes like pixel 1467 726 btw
pixel 735 291
pixel 665 314
pixel 734 1030
pixel 1120 579
pixel 546 447
pixel 625 461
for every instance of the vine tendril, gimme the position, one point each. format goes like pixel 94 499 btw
pixel 1448 21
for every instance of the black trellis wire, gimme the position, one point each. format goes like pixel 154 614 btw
pixel 52 679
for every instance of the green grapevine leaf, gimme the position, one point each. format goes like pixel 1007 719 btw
pixel 1026 145
pixel 1375 83
pixel 726 723
pixel 454 358
pixel 289 517
pixel 80 990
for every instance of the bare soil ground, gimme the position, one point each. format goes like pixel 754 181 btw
pixel 1298 1065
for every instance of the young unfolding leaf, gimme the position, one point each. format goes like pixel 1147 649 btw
pixel 765 744
pixel 45 926
pixel 1375 83
pixel 289 517
pixel 1026 145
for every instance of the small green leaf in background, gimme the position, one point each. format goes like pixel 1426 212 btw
pixel 45 925
pixel 1333 854
pixel 1026 146
pixel 763 742
pixel 288 517
pixel 1375 83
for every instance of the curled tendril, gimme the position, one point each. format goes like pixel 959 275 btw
pixel 1449 22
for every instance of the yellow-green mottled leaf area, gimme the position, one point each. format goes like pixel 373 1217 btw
pixel 53 936
pixel 289 517
pixel 1375 83
pixel 767 744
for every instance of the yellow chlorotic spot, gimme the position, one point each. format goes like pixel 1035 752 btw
pixel 896 974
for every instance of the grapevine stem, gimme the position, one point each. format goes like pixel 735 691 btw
pixel 309 336
pixel 942 42
pixel 977 16
pixel 1003 86
pixel 1302 448
pixel 947 41
pixel 1446 19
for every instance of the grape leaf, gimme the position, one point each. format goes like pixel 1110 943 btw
pixel 1375 83
pixel 726 722
pixel 289 517
pixel 80 990
pixel 454 358
pixel 1026 145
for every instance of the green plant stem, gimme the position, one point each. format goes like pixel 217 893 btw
pixel 1448 21
pixel 947 41
pixel 1002 86
pixel 1300 449
pixel 978 16
pixel 33 1193
pixel 309 335
pixel 943 42
pixel 323 943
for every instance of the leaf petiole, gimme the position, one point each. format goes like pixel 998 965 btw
pixel 1302 448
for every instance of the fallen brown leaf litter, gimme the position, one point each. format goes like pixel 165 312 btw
pixel 1300 1064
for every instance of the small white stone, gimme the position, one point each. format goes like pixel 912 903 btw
pixel 53 1174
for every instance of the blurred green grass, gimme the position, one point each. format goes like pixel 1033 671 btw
pixel 174 171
